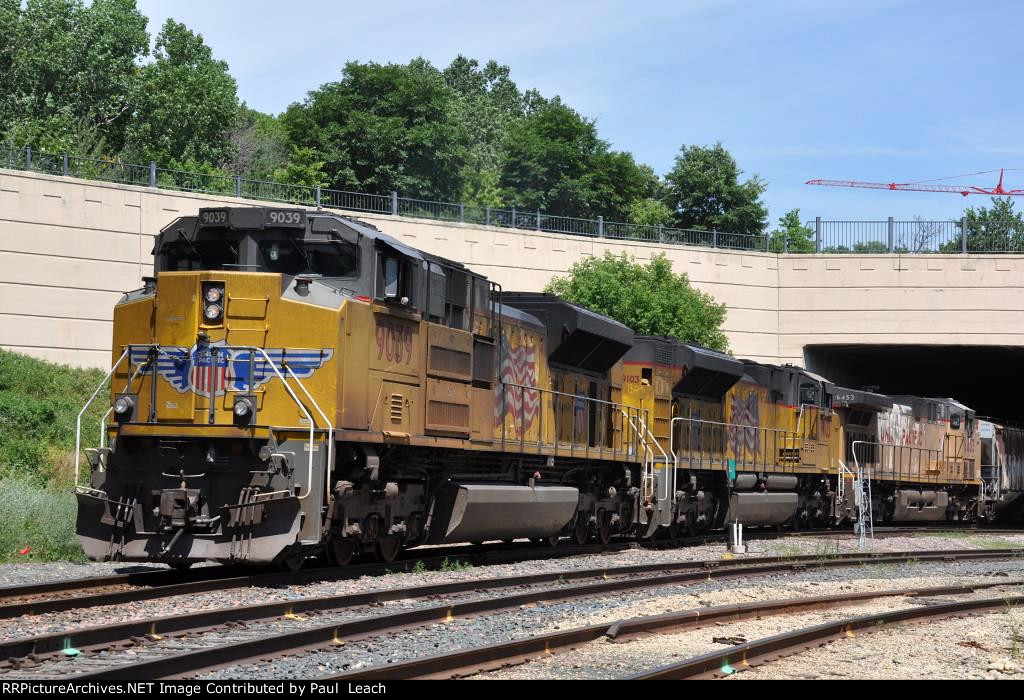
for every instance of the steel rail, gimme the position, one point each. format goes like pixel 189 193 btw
pixel 719 664
pixel 191 662
pixel 234 576
pixel 19 600
pixel 465 662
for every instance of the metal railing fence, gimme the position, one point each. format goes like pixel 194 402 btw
pixel 854 237
pixel 153 175
pixel 916 237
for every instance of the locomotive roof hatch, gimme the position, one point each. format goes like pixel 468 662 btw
pixel 707 373
pixel 578 337
pixel 653 350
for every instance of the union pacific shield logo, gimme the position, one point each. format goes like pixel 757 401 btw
pixel 216 369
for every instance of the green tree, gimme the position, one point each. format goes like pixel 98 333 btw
pixel 649 212
pixel 487 101
pixel 705 192
pixel 304 167
pixel 650 299
pixel 186 103
pixel 383 128
pixel 791 236
pixel 995 229
pixel 67 72
pixel 555 161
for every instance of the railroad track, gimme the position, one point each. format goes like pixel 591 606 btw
pixel 713 665
pixel 760 651
pixel 202 656
pixel 57 596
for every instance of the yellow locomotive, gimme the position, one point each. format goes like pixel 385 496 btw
pixel 294 382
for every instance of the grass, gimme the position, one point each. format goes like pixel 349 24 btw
pixel 39 402
pixel 455 565
pixel 39 518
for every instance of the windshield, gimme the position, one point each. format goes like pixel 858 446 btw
pixel 216 254
pixel 292 257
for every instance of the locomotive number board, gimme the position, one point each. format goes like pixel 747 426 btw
pixel 252 218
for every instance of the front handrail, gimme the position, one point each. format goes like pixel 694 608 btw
pixel 273 367
pixel 127 386
pixel 78 421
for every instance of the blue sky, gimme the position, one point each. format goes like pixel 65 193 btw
pixel 795 89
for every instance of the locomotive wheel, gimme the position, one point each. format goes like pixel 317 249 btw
pixel 294 560
pixel 691 525
pixel 675 529
pixel 794 523
pixel 340 551
pixel 581 529
pixel 387 548
pixel 604 527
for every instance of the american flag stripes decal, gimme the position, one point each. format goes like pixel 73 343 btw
pixel 518 366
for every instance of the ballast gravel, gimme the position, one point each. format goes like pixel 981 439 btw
pixel 983 646
pixel 460 633
pixel 541 618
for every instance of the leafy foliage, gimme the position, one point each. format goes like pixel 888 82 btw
pixel 186 102
pixel 486 103
pixel 998 228
pixel 554 161
pixel 704 192
pixel 383 128
pixel 649 212
pixel 39 402
pixel 303 168
pixel 791 236
pixel 67 71
pixel 650 299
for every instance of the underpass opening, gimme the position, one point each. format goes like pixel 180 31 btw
pixel 982 377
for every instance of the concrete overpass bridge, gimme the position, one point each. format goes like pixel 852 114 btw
pixel 936 324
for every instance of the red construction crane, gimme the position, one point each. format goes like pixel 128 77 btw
pixel 923 185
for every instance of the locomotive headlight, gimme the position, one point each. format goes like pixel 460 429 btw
pixel 213 301
pixel 243 407
pixel 123 406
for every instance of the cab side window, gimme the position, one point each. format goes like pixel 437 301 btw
pixel 393 279
pixel 808 394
